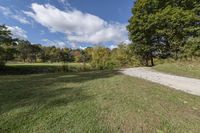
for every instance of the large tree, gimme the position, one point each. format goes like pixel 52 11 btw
pixel 5 40
pixel 162 27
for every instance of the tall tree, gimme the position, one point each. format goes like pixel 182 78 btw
pixel 5 39
pixel 162 27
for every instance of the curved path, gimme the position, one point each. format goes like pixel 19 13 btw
pixel 188 85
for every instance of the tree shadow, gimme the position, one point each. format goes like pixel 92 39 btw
pixel 40 69
pixel 48 90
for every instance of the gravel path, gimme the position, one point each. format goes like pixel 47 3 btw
pixel 188 85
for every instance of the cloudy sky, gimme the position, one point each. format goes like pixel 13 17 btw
pixel 68 23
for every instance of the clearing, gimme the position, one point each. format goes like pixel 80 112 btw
pixel 102 101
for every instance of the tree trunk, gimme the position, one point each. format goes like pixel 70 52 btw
pixel 35 59
pixel 176 55
pixel 152 62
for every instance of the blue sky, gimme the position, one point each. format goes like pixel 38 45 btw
pixel 68 23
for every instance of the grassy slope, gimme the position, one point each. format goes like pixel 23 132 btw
pixel 188 69
pixel 93 102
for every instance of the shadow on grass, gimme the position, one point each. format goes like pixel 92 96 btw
pixel 39 69
pixel 47 90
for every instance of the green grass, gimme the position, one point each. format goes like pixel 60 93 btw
pixel 39 64
pixel 188 69
pixel 34 68
pixel 102 101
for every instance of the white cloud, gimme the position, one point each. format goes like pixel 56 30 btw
pixel 79 27
pixel 56 43
pixel 21 19
pixel 127 41
pixel 113 46
pixel 5 11
pixel 17 32
pixel 15 15
pixel 82 47
pixel 65 3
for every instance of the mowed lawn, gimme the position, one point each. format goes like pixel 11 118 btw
pixel 102 101
pixel 187 69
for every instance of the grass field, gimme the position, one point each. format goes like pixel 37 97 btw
pixel 34 68
pixel 101 101
pixel 40 64
pixel 188 69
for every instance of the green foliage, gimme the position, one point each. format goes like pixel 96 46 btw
pixel 124 56
pixel 5 39
pixel 35 68
pixel 160 28
pixel 1 56
pixel 192 48
pixel 101 58
pixel 5 35
pixel 182 68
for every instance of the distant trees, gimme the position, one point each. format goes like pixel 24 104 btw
pixel 161 28
pixel 99 57
pixel 23 51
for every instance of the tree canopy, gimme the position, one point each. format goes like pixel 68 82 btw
pixel 160 28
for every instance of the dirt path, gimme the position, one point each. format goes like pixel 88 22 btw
pixel 188 85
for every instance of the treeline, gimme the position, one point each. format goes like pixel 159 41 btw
pixel 99 57
pixel 165 29
pixel 24 51
pixel 158 29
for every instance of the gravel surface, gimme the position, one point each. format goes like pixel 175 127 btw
pixel 189 85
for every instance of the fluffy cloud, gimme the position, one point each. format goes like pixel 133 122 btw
pixel 113 46
pixel 56 43
pixel 21 19
pixel 17 32
pixel 15 15
pixel 79 27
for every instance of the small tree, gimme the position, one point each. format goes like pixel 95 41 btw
pixel 124 55
pixel 24 49
pixel 100 58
